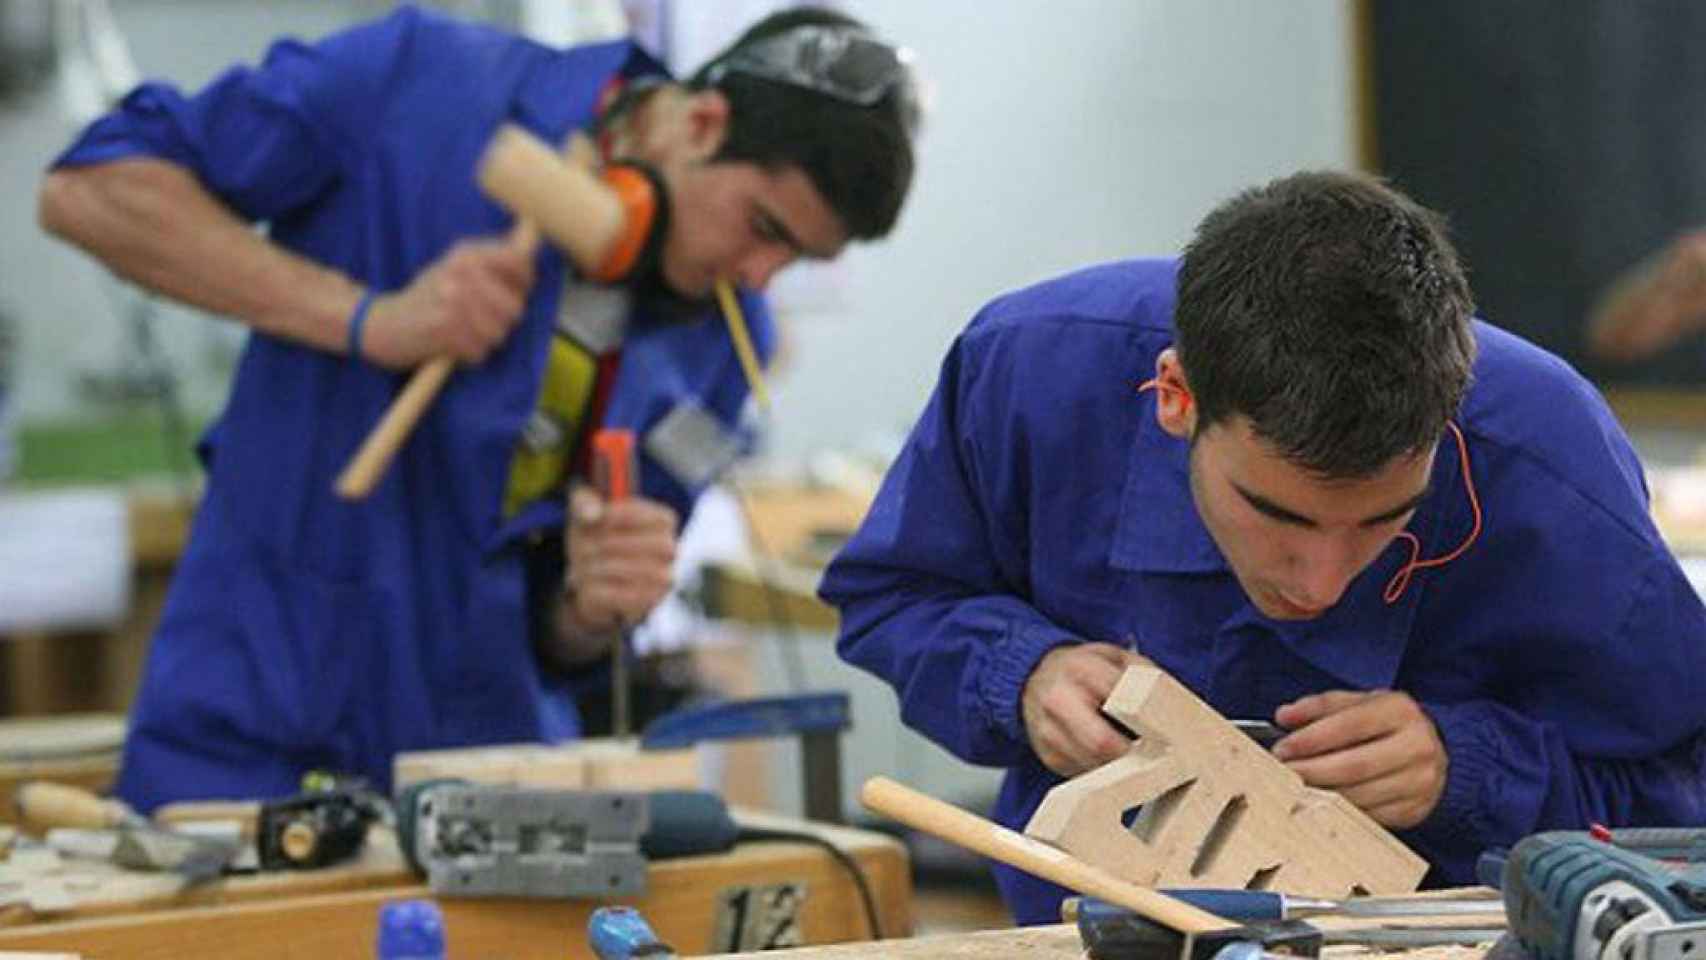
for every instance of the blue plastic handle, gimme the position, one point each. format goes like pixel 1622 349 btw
pixel 1242 906
pixel 620 933
pixel 1234 904
pixel 745 719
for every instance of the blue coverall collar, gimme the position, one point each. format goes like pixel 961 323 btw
pixel 1159 529
pixel 539 103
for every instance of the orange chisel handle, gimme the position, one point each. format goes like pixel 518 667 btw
pixel 613 467
pixel 615 475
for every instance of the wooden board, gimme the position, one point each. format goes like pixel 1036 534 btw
pixel 685 899
pixel 600 764
pixel 801 525
pixel 786 593
pixel 77 736
pixel 1217 810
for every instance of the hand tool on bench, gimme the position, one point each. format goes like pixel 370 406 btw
pixel 317 827
pixel 490 840
pixel 1109 932
pixel 602 221
pixel 1182 931
pixel 818 719
pixel 43 805
pixel 615 474
pixel 1269 905
pixel 494 840
pixel 80 823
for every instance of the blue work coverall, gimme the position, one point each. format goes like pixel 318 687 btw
pixel 1038 503
pixel 302 631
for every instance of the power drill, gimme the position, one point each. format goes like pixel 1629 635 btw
pixel 1571 896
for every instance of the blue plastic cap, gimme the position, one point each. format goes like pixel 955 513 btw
pixel 411 930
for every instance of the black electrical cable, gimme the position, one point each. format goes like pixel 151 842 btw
pixel 762 835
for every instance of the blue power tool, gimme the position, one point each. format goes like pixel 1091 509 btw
pixel 1571 896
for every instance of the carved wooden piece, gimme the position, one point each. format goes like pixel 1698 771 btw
pixel 1217 809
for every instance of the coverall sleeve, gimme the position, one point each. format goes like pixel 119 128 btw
pixel 1630 752
pixel 930 589
pixel 267 139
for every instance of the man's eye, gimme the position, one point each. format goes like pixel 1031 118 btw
pixel 1397 522
pixel 765 229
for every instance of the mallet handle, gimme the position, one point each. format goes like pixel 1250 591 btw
pixel 43 806
pixel 365 468
pixel 393 429
pixel 974 833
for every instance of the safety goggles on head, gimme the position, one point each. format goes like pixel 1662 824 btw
pixel 842 62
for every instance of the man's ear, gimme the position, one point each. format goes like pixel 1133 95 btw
pixel 707 122
pixel 1175 407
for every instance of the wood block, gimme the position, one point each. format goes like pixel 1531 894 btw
pixel 602 764
pixel 1217 810
pixel 783 593
pixel 786 519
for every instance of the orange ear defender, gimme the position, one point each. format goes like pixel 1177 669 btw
pixel 607 222
pixel 645 221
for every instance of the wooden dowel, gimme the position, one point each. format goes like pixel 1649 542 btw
pixel 381 445
pixel 968 830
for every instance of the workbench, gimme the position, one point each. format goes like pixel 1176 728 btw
pixel 332 913
pixel 1059 942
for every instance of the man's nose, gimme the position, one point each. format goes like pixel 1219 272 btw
pixel 1324 568
pixel 757 267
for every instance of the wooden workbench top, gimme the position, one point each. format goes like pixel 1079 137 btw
pixel 1059 942
pixel 332 913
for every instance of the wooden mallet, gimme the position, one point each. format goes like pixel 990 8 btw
pixel 600 220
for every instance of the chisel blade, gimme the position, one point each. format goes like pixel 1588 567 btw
pixel 1418 907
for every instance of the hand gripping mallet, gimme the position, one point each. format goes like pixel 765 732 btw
pixel 602 221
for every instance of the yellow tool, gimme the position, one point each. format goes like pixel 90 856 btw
pixel 738 332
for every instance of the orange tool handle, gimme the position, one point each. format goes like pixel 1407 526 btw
pixel 614 471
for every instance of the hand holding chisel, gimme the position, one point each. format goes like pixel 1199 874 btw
pixel 620 554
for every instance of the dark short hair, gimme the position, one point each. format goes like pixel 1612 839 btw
pixel 1331 311
pixel 859 158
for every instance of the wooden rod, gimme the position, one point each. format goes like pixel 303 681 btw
pixel 364 470
pixel 933 816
